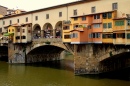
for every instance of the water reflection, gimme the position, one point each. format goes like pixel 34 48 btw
pixel 59 73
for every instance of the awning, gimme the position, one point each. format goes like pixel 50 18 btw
pixel 8 34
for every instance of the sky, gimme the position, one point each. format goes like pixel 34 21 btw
pixel 29 5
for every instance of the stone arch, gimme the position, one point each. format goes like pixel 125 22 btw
pixel 48 30
pixel 36 31
pixel 58 29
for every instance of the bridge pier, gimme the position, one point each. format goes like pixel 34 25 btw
pixel 84 60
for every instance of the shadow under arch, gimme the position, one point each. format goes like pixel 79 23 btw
pixel 4 53
pixel 58 29
pixel 36 31
pixel 47 31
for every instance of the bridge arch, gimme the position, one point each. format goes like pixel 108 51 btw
pixel 58 29
pixel 40 53
pixel 36 31
pixel 48 31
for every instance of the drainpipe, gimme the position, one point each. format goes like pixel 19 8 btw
pixel 125 33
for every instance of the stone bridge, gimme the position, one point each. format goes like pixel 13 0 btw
pixel 88 58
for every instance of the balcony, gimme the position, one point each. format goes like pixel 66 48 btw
pixel 117 28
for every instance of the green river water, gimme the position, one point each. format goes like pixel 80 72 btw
pixel 58 73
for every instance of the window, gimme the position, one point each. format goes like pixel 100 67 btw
pixel 107 36
pixel 0 30
pixel 128 35
pixel 97 16
pixel 114 6
pixel 119 23
pixel 83 18
pixel 75 18
pixel 109 15
pixel 29 31
pixel 93 9
pixel 17 37
pixel 36 18
pixel 47 16
pixel 26 19
pixel 3 22
pixel 128 22
pixel 12 30
pixel 74 35
pixel 23 37
pixel 104 15
pixel 23 30
pixel 104 25
pixel 10 22
pixel 18 20
pixel 60 14
pixel 109 25
pixel 97 35
pixel 96 25
pixel 75 12
pixel 66 28
pixel 66 36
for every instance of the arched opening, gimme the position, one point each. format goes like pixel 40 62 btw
pixel 58 29
pixel 36 31
pixel 47 31
pixel 4 53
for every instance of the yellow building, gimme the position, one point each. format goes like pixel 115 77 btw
pixel 108 26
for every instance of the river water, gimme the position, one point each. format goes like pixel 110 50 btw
pixel 59 73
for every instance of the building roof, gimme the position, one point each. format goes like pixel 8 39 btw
pixel 49 8
pixel 3 6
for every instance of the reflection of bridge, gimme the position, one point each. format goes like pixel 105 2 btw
pixel 88 58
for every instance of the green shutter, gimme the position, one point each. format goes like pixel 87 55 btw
pixel 128 35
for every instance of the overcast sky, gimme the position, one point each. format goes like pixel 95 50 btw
pixel 29 5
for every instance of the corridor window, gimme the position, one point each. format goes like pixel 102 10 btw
pixel 60 14
pixel 75 12
pixel 17 20
pixel 109 15
pixel 36 18
pixel 26 19
pixel 93 9
pixel 10 21
pixel 114 6
pixel 3 22
pixel 47 16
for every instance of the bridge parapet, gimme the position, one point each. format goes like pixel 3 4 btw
pixel 47 40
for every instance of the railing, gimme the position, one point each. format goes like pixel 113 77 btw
pixel 47 40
